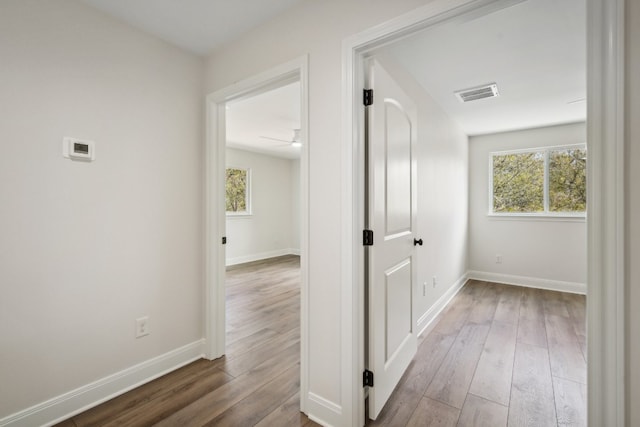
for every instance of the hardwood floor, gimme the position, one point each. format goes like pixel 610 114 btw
pixel 256 383
pixel 499 355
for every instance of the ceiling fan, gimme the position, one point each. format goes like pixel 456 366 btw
pixel 294 142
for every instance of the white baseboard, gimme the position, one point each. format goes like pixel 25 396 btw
pixel 71 403
pixel 529 282
pixel 425 321
pixel 323 411
pixel 261 256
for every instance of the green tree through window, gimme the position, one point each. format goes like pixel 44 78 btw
pixel 518 182
pixel 551 180
pixel 568 180
pixel 237 190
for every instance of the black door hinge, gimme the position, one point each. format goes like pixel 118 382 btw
pixel 367 237
pixel 367 378
pixel 224 240
pixel 367 97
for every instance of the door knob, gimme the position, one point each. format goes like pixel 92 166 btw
pixel 417 242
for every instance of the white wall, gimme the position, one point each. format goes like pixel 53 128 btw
pixel 632 199
pixel 316 28
pixel 541 252
pixel 442 162
pixel 269 230
pixel 86 248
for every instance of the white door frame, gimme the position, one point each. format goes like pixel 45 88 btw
pixel 605 221
pixel 215 217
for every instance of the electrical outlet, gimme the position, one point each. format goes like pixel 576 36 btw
pixel 435 281
pixel 142 327
pixel 498 259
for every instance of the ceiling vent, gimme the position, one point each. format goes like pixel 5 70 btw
pixel 485 91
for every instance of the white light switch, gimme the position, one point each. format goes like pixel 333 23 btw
pixel 78 149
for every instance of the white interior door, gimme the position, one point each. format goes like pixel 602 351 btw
pixel 391 206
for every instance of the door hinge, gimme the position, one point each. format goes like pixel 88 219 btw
pixel 367 378
pixel 367 97
pixel 367 237
pixel 224 240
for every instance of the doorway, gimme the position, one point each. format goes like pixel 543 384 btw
pixel 482 126
pixel 292 73
pixel 262 193
pixel 602 216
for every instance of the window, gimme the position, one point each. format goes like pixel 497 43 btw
pixel 237 191
pixel 547 181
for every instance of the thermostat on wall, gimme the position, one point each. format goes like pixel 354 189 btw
pixel 78 149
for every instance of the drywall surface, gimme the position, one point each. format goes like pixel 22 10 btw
pixel 268 230
pixel 551 250
pixel 316 28
pixel 632 200
pixel 86 248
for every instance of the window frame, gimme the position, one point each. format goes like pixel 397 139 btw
pixel 247 196
pixel 537 215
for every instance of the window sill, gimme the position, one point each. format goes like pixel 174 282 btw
pixel 239 216
pixel 536 217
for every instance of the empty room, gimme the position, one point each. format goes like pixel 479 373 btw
pixel 502 343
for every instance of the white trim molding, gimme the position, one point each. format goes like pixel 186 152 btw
pixel 323 411
pixel 605 222
pixel 529 282
pixel 262 255
pixel 425 322
pixel 79 400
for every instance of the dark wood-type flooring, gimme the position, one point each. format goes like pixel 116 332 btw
pixel 498 355
pixel 257 383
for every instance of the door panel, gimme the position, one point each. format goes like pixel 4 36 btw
pixel 398 176
pixel 391 214
pixel 398 296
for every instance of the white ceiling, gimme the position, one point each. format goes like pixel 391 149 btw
pixel 534 50
pixel 199 26
pixel 265 123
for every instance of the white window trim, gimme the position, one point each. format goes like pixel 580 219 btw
pixel 578 216
pixel 248 212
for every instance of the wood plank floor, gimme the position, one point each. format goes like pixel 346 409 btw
pixel 256 383
pixel 499 355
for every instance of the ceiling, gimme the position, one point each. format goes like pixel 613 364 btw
pixel 199 26
pixel 265 123
pixel 534 50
